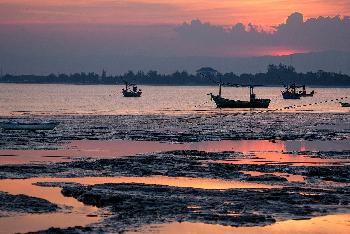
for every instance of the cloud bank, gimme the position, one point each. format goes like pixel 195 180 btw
pixel 296 34
pixel 42 48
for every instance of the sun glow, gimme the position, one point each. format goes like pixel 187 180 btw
pixel 222 12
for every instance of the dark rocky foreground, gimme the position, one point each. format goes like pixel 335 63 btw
pixel 180 164
pixel 325 189
pixel 24 204
pixel 188 128
pixel 135 205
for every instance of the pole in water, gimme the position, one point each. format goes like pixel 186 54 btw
pixel 220 87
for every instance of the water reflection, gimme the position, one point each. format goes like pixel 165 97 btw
pixel 52 99
pixel 263 151
pixel 78 214
pixel 339 224
pixel 19 223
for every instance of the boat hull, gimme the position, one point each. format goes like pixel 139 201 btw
pixel 288 95
pixel 227 103
pixel 131 94
pixel 28 126
pixel 344 104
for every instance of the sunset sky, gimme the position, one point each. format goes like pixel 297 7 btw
pixel 141 12
pixel 57 34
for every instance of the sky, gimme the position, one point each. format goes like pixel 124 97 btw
pixel 145 12
pixel 88 31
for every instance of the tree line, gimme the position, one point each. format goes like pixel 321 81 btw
pixel 276 75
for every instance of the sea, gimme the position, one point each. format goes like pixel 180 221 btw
pixel 62 99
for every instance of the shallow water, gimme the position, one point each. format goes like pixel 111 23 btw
pixel 78 214
pixel 254 151
pixel 331 224
pixel 53 99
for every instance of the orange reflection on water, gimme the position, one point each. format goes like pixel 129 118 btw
pixel 25 186
pixel 265 151
pixel 86 148
pixel 18 223
pixel 238 146
pixel 339 224
pixel 50 194
pixel 78 215
pixel 39 222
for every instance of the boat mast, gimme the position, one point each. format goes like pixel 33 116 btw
pixel 252 94
pixel 220 87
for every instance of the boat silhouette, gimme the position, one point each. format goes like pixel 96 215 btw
pixel 345 104
pixel 293 92
pixel 222 102
pixel 252 103
pixel 131 90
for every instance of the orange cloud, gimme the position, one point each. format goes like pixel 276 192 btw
pixel 145 12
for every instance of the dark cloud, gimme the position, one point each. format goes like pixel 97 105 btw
pixel 315 34
pixel 322 33
pixel 42 48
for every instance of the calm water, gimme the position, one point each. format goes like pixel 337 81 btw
pixel 30 99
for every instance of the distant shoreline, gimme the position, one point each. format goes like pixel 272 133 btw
pixel 175 85
pixel 275 76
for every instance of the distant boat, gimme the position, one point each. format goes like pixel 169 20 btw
pixel 252 103
pixel 28 126
pixel 131 90
pixel 345 104
pixel 292 92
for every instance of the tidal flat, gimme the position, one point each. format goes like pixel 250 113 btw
pixel 226 172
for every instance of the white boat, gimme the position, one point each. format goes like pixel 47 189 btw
pixel 28 126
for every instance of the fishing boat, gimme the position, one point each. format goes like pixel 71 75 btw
pixel 33 126
pixel 131 90
pixel 345 104
pixel 293 92
pixel 252 103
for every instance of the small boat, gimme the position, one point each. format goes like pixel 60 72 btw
pixel 28 126
pixel 252 103
pixel 131 90
pixel 345 104
pixel 292 92
pixel 210 73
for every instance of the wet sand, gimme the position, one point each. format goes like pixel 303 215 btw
pixel 127 173
pixel 255 151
